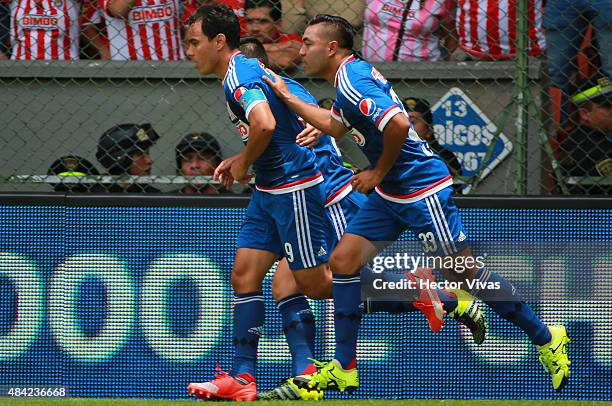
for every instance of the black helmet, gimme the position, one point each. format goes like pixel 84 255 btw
pixel 200 143
pixel 72 165
pixel 117 144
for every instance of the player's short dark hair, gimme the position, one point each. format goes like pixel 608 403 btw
pixel 218 19
pixel 419 105
pixel 276 11
pixel 253 48
pixel 341 29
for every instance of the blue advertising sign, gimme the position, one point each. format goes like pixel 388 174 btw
pixel 461 127
pixel 137 302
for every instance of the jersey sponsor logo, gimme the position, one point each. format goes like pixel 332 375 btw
pixel 151 14
pixel 367 107
pixel 238 93
pixel 378 76
pixel 40 21
pixel 358 137
pixel 397 11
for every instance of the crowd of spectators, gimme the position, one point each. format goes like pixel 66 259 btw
pixel 393 30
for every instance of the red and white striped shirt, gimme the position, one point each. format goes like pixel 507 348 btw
pixel 48 29
pixel 382 24
pixel 487 29
pixel 151 31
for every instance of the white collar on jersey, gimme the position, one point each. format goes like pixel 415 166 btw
pixel 346 60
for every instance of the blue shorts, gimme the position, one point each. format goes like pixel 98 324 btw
pixel 434 221
pixel 340 214
pixel 293 223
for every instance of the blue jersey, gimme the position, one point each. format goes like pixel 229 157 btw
pixel 284 166
pixel 365 102
pixel 329 159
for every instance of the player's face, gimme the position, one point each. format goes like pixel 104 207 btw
pixel 261 25
pixel 200 50
pixel 198 164
pixel 141 164
pixel 315 50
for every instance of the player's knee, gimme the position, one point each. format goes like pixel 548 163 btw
pixel 344 264
pixel 244 281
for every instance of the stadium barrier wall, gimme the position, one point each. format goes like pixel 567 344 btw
pixel 64 107
pixel 129 296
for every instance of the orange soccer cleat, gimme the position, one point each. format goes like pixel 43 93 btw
pixel 241 388
pixel 429 302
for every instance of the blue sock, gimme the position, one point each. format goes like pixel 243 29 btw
pixel 299 328
pixel 248 325
pixel 347 317
pixel 506 302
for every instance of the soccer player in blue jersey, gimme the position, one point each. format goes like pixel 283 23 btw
pixel 412 191
pixel 286 208
pixel 341 206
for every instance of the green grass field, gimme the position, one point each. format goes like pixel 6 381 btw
pixel 360 402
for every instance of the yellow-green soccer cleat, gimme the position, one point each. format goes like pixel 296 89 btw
pixel 290 391
pixel 469 314
pixel 553 356
pixel 331 376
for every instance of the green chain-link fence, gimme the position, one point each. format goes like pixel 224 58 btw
pixel 490 72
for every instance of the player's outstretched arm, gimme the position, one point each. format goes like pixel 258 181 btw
pixel 318 117
pixel 262 126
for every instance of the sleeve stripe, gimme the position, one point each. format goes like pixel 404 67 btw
pixel 346 92
pixel 349 84
pixel 229 78
pixel 235 75
pixel 386 116
pixel 232 77
pixel 255 103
